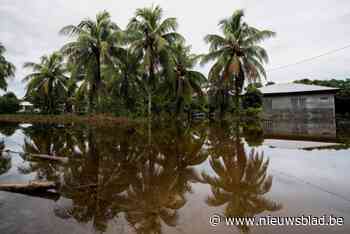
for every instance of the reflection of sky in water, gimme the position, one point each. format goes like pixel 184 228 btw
pixel 15 142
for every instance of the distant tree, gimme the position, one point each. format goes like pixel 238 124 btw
pixel 9 104
pixel 253 98
pixel 7 69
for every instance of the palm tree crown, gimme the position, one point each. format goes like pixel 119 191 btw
pixel 7 69
pixel 47 80
pixel 237 54
pixel 92 48
pixel 152 35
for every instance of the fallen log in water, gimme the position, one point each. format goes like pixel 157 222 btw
pixel 40 189
pixel 30 156
pixel 31 186
pixel 46 157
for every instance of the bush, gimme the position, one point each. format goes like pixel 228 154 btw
pixel 253 98
pixel 9 104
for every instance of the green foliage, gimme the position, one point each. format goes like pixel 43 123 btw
pixel 146 69
pixel 237 57
pixel 9 104
pixel 253 98
pixel 47 85
pixel 7 69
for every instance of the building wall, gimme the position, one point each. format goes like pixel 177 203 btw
pixel 303 106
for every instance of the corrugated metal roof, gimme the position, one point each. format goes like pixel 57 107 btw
pixel 293 88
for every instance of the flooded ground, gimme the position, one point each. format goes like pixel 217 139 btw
pixel 172 179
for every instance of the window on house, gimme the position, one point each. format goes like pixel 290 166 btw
pixel 298 102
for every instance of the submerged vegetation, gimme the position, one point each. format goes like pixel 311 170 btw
pixel 146 69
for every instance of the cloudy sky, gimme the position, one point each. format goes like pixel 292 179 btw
pixel 304 29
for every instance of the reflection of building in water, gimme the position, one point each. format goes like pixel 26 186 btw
pixel 285 101
pixel 303 128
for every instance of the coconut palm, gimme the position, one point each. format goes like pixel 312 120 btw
pixel 48 81
pixel 237 57
pixel 7 69
pixel 240 183
pixel 152 35
pixel 187 80
pixel 126 77
pixel 91 49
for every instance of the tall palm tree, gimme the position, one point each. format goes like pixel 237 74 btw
pixel 237 56
pixel 152 35
pixel 187 80
pixel 91 49
pixel 48 80
pixel 7 69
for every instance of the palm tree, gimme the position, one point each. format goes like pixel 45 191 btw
pixel 127 82
pixel 237 56
pixel 91 49
pixel 47 80
pixel 187 80
pixel 152 35
pixel 7 69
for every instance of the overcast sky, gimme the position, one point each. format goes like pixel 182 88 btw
pixel 29 29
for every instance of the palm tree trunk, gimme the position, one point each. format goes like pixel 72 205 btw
pixel 98 81
pixel 149 104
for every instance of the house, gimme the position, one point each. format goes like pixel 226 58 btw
pixel 27 107
pixel 291 100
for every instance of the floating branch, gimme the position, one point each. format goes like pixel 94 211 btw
pixel 46 157
pixel 29 156
pixel 40 189
pixel 31 186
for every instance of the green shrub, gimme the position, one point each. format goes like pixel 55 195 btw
pixel 253 98
pixel 9 104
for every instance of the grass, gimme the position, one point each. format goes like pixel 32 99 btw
pixel 96 120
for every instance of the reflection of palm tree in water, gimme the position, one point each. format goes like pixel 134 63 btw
pixel 153 198
pixel 165 174
pixel 47 140
pixel 241 182
pixel 95 181
pixel 183 147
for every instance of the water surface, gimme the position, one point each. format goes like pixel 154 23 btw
pixel 171 179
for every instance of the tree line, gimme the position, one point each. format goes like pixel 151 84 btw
pixel 146 68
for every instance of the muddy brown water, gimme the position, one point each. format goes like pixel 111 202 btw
pixel 171 179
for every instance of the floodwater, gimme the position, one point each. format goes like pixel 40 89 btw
pixel 171 179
